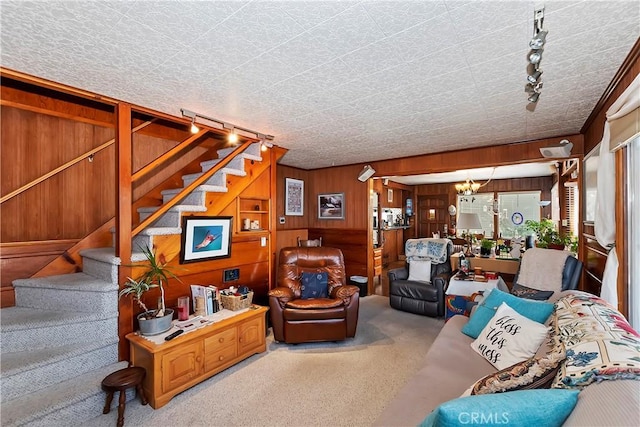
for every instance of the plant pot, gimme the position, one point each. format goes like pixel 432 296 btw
pixel 485 252
pixel 155 325
pixel 557 246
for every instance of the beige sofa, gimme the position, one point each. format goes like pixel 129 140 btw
pixel 451 366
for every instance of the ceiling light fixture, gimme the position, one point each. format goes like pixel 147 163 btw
pixel 221 124
pixel 536 44
pixel 470 187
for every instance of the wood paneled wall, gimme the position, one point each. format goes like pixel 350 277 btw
pixel 352 243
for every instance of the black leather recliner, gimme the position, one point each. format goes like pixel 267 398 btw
pixel 422 298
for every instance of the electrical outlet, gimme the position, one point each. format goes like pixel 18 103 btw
pixel 231 275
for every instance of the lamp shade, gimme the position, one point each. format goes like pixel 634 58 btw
pixel 469 221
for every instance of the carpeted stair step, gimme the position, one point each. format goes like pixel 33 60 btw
pixel 197 196
pixel 252 152
pixel 25 372
pixel 67 403
pixel 101 262
pixel 171 218
pixel 237 163
pixel 67 292
pixel 218 179
pixel 30 329
pixel 145 239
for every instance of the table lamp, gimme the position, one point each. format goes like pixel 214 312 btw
pixel 468 221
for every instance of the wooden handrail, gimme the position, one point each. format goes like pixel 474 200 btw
pixel 68 165
pixel 188 189
pixel 167 156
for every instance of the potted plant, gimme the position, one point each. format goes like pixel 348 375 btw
pixel 152 322
pixel 547 235
pixel 485 247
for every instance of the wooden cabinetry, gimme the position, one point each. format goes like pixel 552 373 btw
pixel 176 365
pixel 377 261
pixel 253 214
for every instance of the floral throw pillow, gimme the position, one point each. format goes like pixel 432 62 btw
pixel 599 342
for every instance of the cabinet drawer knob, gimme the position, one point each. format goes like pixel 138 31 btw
pixel 221 340
pixel 221 358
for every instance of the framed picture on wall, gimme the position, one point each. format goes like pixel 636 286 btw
pixel 205 238
pixel 293 197
pixel 331 206
pixel 390 195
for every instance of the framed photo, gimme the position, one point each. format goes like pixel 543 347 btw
pixel 293 197
pixel 205 238
pixel 390 195
pixel 331 206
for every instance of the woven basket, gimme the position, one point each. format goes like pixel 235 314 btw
pixel 234 303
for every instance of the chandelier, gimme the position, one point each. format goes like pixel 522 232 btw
pixel 467 188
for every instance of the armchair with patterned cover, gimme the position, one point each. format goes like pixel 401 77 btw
pixel 408 291
pixel 330 317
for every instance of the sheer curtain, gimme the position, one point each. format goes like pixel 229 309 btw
pixel 633 232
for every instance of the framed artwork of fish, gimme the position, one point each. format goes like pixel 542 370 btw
pixel 205 238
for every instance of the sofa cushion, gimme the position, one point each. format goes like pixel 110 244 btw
pixel 509 338
pixel 420 270
pixel 522 408
pixel 313 285
pixel 600 344
pixel 530 293
pixel 537 311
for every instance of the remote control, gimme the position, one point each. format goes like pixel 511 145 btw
pixel 173 335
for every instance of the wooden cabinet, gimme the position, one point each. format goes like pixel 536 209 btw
pixel 377 261
pixel 252 215
pixel 183 362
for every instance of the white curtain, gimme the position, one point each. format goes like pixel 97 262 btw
pixel 605 220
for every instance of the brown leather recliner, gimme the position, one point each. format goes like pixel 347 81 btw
pixel 297 320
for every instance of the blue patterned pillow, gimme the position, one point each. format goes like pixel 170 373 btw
pixel 314 285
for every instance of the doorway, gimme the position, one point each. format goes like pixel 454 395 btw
pixel 432 215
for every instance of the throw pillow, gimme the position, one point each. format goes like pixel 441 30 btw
pixel 535 372
pixel 600 343
pixel 313 285
pixel 537 311
pixel 509 338
pixel 420 270
pixel 530 293
pixel 549 407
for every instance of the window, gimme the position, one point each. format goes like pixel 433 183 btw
pixel 571 200
pixel 509 211
pixel 482 204
pixel 633 232
pixel 514 209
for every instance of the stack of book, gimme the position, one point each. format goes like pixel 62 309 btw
pixel 206 299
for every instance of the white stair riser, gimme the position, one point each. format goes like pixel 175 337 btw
pixel 253 151
pixel 67 300
pixel 235 163
pixel 141 240
pixel 218 178
pixel 101 270
pixel 38 338
pixel 169 219
pixel 195 198
pixel 38 378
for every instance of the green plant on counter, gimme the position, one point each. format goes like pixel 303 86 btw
pixel 547 235
pixel 486 244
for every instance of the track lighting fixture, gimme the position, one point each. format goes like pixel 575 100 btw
pixel 194 128
pixel 533 78
pixel 536 44
pixel 233 135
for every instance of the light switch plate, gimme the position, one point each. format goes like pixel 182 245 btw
pixel 231 275
pixel 263 241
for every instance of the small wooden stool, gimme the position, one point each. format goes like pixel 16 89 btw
pixel 120 381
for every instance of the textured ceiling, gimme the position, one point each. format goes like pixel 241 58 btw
pixel 336 82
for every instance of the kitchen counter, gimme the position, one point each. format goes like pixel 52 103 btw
pixel 396 227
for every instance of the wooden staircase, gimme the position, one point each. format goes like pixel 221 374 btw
pixel 62 337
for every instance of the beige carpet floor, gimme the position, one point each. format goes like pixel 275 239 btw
pixel 317 384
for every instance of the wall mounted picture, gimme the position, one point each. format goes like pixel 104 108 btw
pixel 331 206
pixel 390 195
pixel 205 238
pixel 293 197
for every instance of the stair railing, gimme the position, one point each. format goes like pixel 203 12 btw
pixel 68 164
